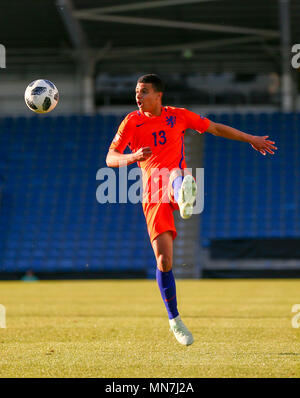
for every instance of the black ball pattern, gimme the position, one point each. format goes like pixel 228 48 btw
pixel 38 90
pixel 31 104
pixel 46 104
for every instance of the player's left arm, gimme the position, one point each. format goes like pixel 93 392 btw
pixel 259 143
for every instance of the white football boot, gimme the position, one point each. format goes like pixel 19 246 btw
pixel 187 196
pixel 181 332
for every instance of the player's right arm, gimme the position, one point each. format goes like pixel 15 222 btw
pixel 125 134
pixel 115 158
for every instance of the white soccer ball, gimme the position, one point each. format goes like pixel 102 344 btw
pixel 41 96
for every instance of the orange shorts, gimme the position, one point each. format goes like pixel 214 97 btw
pixel 159 216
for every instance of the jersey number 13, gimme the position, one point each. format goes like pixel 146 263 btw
pixel 159 138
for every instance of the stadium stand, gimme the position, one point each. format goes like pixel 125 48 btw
pixel 248 195
pixel 50 218
pixel 52 222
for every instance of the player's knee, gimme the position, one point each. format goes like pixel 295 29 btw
pixel 164 263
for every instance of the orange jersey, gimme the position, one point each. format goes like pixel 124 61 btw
pixel 164 134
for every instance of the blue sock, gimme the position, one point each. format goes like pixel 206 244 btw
pixel 176 184
pixel 167 287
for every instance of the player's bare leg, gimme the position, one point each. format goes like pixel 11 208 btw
pixel 163 250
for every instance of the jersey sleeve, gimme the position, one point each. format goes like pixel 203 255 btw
pixel 122 137
pixel 195 121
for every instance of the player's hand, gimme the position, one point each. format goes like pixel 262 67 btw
pixel 262 145
pixel 142 154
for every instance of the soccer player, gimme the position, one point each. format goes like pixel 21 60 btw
pixel 155 136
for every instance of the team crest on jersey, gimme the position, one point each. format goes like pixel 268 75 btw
pixel 171 121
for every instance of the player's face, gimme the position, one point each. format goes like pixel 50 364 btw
pixel 147 99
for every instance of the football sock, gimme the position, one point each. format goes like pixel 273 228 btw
pixel 176 184
pixel 167 287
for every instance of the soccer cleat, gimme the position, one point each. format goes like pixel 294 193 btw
pixel 187 196
pixel 181 332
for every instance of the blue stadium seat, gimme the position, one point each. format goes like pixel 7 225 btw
pixel 51 220
pixel 49 213
pixel 260 192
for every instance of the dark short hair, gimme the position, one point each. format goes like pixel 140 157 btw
pixel 155 80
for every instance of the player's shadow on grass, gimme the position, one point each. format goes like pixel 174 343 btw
pixel 117 315
pixel 233 317
pixel 289 353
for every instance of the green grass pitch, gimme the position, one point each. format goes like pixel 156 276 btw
pixel 119 328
